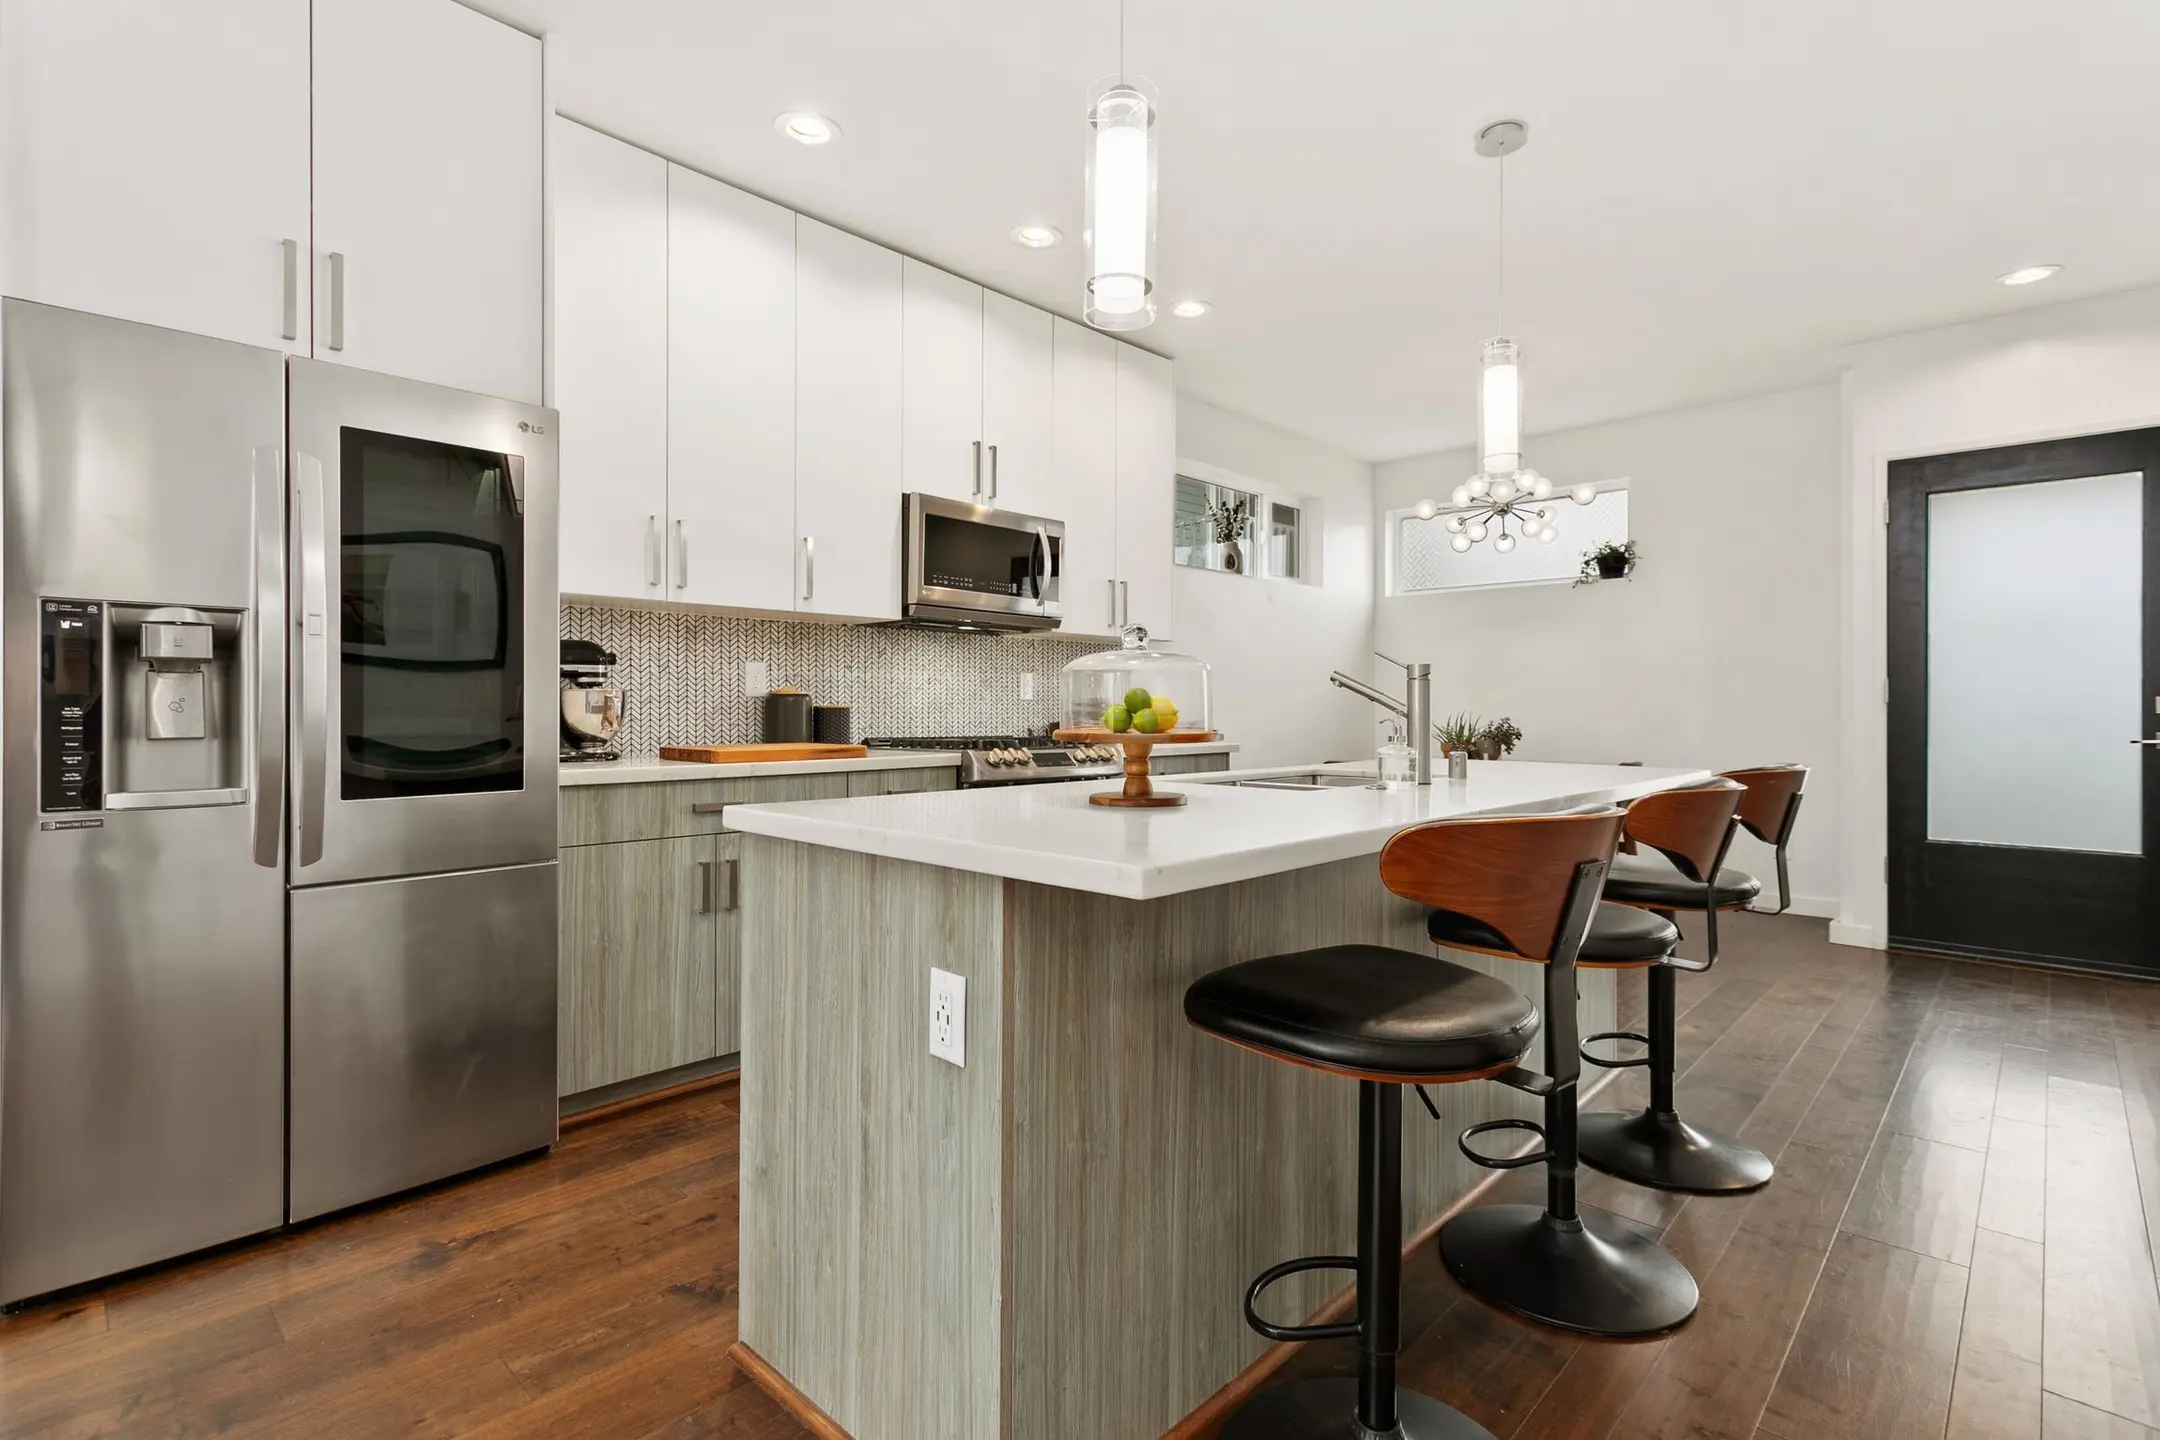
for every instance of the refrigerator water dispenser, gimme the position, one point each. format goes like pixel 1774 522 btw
pixel 176 732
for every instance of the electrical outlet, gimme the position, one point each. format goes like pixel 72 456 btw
pixel 948 1016
pixel 1027 684
pixel 753 677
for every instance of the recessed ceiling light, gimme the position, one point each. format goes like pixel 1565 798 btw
pixel 807 127
pixel 2026 275
pixel 1190 309
pixel 1037 237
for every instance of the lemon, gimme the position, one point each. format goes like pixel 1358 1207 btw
pixel 1147 722
pixel 1137 700
pixel 1117 719
pixel 1166 714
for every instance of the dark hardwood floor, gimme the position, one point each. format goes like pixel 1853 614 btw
pixel 1958 1244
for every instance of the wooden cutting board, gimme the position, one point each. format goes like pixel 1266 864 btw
pixel 761 754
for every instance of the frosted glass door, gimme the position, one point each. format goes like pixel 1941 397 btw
pixel 2035 664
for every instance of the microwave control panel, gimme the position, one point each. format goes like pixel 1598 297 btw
pixel 71 703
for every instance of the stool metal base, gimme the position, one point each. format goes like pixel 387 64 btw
pixel 1602 1278
pixel 1666 1153
pixel 1327 1410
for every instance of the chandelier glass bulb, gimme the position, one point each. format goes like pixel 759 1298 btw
pixel 1426 509
pixel 1503 490
pixel 1479 487
pixel 1504 544
pixel 1583 494
pixel 1459 544
pixel 1454 524
pixel 1540 487
pixel 1533 527
pixel 1461 497
pixel 1547 535
pixel 1120 292
pixel 1475 530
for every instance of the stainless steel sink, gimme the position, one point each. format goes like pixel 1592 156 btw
pixel 1312 782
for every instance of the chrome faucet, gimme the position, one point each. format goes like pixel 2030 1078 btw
pixel 1415 707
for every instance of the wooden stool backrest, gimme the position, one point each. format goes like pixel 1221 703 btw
pixel 1772 793
pixel 1689 827
pixel 1515 873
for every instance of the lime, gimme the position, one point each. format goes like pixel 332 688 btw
pixel 1117 719
pixel 1146 722
pixel 1137 700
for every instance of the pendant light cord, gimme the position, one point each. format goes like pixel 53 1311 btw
pixel 1499 251
pixel 1121 42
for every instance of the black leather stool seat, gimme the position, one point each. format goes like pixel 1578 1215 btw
pixel 1367 1009
pixel 1652 880
pixel 1621 935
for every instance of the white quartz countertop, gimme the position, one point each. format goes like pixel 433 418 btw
pixel 648 769
pixel 1051 835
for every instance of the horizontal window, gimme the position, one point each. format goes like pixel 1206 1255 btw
pixel 1422 556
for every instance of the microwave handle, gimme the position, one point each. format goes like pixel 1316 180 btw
pixel 1038 580
pixel 311 638
pixel 266 688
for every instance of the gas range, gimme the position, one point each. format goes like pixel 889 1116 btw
pixel 1014 759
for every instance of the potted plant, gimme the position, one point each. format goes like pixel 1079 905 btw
pixel 1228 521
pixel 1460 731
pixel 1608 562
pixel 1497 739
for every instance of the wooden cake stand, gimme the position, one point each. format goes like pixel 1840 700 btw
pixel 1139 791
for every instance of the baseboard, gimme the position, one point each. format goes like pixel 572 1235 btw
pixel 1863 937
pixel 785 1395
pixel 612 1100
pixel 1815 907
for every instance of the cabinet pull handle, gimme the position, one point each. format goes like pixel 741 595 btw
pixel 708 807
pixel 337 300
pixel 705 887
pixel 682 557
pixel 291 328
pixel 734 886
pixel 978 488
pixel 1113 602
pixel 1124 590
pixel 652 550
pixel 809 568
pixel 993 472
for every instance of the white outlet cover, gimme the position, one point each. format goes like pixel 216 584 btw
pixel 753 678
pixel 948 1016
pixel 1027 684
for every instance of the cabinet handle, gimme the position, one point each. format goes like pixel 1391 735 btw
pixel 652 550
pixel 1113 602
pixel 708 807
pixel 978 488
pixel 682 557
pixel 704 887
pixel 993 472
pixel 337 300
pixel 291 329
pixel 809 568
pixel 734 886
pixel 1124 590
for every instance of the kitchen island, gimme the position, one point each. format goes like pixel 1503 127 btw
pixel 1051 1240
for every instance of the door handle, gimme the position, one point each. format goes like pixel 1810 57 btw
pixel 312 638
pixel 705 887
pixel 2155 741
pixel 682 557
pixel 652 550
pixel 267 680
pixel 993 472
pixel 809 568
pixel 291 328
pixel 337 300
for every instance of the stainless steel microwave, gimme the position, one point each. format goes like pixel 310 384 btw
pixel 971 566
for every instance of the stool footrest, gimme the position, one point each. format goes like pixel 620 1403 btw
pixel 1604 1064
pixel 1344 1331
pixel 1496 1162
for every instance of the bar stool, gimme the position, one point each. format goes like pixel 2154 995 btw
pixel 1557 1264
pixel 1389 1018
pixel 1768 812
pixel 1689 832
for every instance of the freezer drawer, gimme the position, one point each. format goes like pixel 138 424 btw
pixel 423 1030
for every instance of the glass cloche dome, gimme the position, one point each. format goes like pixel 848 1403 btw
pixel 1137 691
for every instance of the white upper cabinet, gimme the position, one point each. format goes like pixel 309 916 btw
pixel 942 382
pixel 428 126
pixel 611 361
pixel 1084 475
pixel 1146 489
pixel 848 464
pixel 1017 407
pixel 730 523
pixel 154 162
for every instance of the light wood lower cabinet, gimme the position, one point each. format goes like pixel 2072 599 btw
pixel 650 952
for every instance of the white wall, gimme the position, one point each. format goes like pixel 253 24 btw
pixel 1271 643
pixel 1723 649
pixel 2082 368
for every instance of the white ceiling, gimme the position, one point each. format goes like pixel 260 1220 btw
pixel 1715 194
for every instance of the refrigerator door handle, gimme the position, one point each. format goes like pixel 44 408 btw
pixel 267 683
pixel 311 637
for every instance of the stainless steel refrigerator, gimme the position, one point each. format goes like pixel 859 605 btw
pixel 277 823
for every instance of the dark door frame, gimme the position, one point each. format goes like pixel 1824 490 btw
pixel 2071 909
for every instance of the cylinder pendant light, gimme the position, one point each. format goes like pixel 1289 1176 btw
pixel 1121 205
pixel 1500 410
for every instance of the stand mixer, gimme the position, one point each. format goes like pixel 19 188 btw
pixel 592 704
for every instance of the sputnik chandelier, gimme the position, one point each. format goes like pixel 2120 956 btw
pixel 1503 491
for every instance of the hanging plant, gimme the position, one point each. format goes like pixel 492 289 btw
pixel 1608 562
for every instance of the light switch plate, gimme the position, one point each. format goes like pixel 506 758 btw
pixel 1027 684
pixel 948 1016
pixel 753 677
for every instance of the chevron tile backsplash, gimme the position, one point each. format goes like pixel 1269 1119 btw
pixel 682 674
